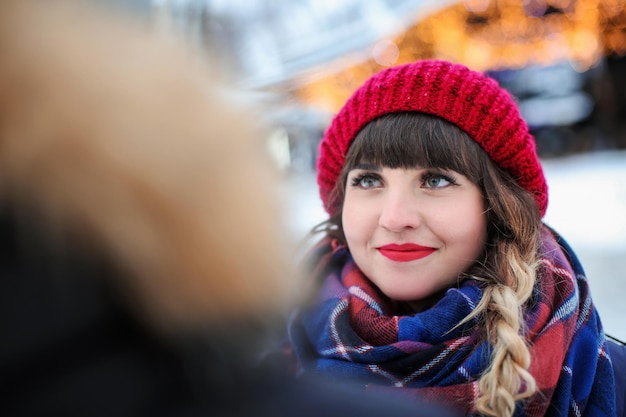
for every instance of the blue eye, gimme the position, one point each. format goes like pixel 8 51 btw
pixel 366 181
pixel 434 181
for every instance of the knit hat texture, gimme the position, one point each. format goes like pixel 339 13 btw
pixel 469 99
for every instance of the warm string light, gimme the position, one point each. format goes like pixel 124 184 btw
pixel 490 35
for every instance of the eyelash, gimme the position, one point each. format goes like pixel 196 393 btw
pixel 429 175
pixel 356 181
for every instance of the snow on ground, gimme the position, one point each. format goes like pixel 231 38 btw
pixel 587 206
pixel 588 199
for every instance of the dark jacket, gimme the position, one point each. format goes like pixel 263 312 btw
pixel 617 352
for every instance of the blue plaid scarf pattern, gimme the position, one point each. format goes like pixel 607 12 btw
pixel 353 332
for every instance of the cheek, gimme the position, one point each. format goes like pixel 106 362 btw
pixel 350 220
pixel 464 223
pixel 357 220
pixel 471 232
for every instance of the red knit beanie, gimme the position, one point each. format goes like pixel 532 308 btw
pixel 469 99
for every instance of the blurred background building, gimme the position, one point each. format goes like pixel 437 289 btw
pixel 564 61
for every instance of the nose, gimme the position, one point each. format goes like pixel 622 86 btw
pixel 400 211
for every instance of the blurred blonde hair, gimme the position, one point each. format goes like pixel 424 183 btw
pixel 122 137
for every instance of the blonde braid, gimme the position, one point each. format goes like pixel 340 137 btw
pixel 507 380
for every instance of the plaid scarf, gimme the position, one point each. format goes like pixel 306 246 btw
pixel 353 333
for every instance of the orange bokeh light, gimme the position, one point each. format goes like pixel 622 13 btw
pixel 490 35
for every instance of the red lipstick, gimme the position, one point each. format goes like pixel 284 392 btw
pixel 406 252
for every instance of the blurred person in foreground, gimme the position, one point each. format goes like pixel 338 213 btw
pixel 141 271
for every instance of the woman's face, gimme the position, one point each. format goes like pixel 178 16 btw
pixel 413 231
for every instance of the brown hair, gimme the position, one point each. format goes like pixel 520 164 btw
pixel 507 268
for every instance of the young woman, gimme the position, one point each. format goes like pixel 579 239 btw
pixel 436 273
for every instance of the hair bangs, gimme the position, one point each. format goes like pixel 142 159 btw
pixel 415 140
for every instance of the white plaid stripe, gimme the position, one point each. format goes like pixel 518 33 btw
pixel 359 293
pixel 341 348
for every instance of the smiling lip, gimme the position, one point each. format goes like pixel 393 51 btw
pixel 406 252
